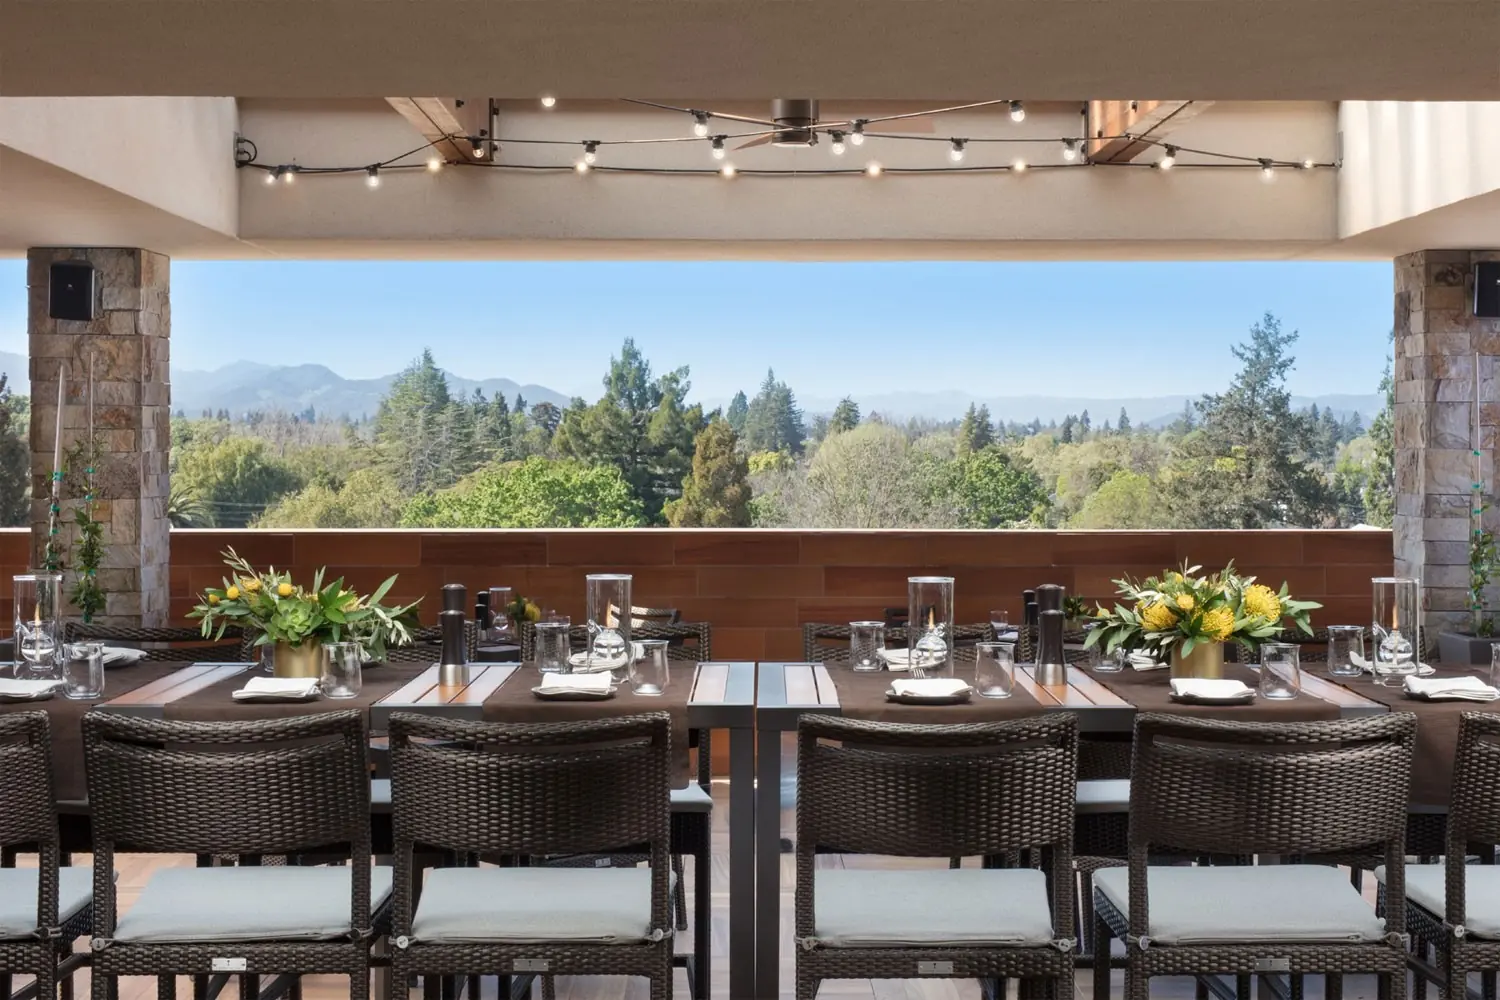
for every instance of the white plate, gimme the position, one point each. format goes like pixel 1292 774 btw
pixel 562 694
pixel 928 699
pixel 38 693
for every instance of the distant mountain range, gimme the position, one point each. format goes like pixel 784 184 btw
pixel 246 386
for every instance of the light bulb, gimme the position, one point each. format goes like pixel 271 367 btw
pixel 700 123
pixel 271 175
pixel 858 135
pixel 1267 171
pixel 1168 159
pixel 718 148
pixel 1018 166
pixel 1070 150
pixel 873 168
pixel 1308 164
pixel 289 175
pixel 590 152
pixel 476 146
pixel 837 146
pixel 548 101
pixel 727 170
pixel 956 154
pixel 434 164
pixel 372 176
pixel 583 166
pixel 1017 111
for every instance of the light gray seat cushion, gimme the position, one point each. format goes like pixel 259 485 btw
pixel 535 905
pixel 931 908
pixel 1103 795
pixel 692 799
pixel 1427 886
pixel 18 890
pixel 1292 903
pixel 246 904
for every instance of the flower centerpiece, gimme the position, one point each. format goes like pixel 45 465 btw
pixel 296 621
pixel 522 610
pixel 1188 618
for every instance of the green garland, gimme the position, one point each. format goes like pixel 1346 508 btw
pixel 87 595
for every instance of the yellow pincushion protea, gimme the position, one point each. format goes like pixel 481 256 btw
pixel 1261 602
pixel 1218 623
pixel 1185 602
pixel 1158 617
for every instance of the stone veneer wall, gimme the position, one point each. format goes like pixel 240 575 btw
pixel 128 345
pixel 1436 339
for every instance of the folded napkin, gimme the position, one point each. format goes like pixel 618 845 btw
pixel 930 687
pixel 601 664
pixel 1423 669
pixel 596 683
pixel 257 688
pixel 1144 661
pixel 11 687
pixel 1209 689
pixel 122 656
pixel 1450 689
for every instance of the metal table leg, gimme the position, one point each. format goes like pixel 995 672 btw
pixel 742 846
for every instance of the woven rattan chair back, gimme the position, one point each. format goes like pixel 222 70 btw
pixel 263 787
pixel 1299 788
pixel 689 642
pixel 555 788
pixel 162 644
pixel 26 781
pixel 824 642
pixel 654 616
pixel 935 791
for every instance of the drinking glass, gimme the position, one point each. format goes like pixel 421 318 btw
pixel 994 669
pixel 83 670
pixel 866 642
pixel 1280 671
pixel 929 625
pixel 1396 632
pixel 648 667
pixel 1346 650
pixel 500 630
pixel 1004 630
pixel 38 625
pixel 342 676
pixel 1101 660
pixel 552 645
pixel 608 605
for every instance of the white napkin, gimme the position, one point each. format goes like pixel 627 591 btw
pixel 11 687
pixel 257 688
pixel 930 687
pixel 1144 661
pixel 596 683
pixel 119 656
pixel 1423 669
pixel 1451 689
pixel 896 659
pixel 600 664
pixel 1209 689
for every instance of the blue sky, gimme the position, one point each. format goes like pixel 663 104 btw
pixel 1078 329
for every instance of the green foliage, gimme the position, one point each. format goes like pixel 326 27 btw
pixel 536 493
pixel 80 463
pixel 717 494
pixel 739 410
pixel 975 431
pixel 427 439
pixel 236 478
pixel 994 489
pixel 1126 500
pixel 845 416
pixel 1380 483
pixel 369 498
pixel 15 460
pixel 186 510
pixel 773 421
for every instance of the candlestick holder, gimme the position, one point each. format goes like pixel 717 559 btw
pixel 929 625
pixel 38 621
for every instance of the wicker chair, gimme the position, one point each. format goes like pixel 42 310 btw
pixel 829 643
pixel 1454 907
pixel 162 644
pixel 481 790
pixel 270 787
pixel 40 916
pixel 653 616
pixel 987 789
pixel 1317 788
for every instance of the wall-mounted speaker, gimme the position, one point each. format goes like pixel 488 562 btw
pixel 1487 289
pixel 73 292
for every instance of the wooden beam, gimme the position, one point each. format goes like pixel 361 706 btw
pixel 1111 121
pixel 436 118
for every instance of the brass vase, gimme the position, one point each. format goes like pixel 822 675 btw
pixel 305 660
pixel 1206 660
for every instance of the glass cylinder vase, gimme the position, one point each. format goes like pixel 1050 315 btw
pixel 500 629
pixel 1396 633
pixel 38 622
pixel 929 625
pixel 608 602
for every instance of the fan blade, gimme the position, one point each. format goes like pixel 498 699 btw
pixel 763 140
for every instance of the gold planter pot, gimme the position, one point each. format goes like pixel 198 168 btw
pixel 305 660
pixel 1206 660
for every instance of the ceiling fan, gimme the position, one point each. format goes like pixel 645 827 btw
pixel 795 123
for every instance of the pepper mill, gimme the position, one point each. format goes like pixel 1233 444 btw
pixel 454 666
pixel 1051 666
pixel 1049 596
pixel 455 597
pixel 483 617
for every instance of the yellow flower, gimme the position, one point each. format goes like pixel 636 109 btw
pixel 1158 617
pixel 284 590
pixel 533 613
pixel 213 599
pixel 1185 602
pixel 1218 623
pixel 233 593
pixel 1262 602
pixel 251 585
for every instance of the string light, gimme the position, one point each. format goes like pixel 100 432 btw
pixel 1070 150
pixel 372 175
pixel 718 148
pixel 434 164
pixel 1308 164
pixel 549 102
pixel 1168 158
pixel 727 171
pixel 837 146
pixel 700 123
pixel 590 152
pixel 858 135
pixel 1018 166
pixel 271 176
pixel 289 174
pixel 1017 111
pixel 956 152
pixel 583 166
pixel 1267 170
pixel 476 146
pixel 873 168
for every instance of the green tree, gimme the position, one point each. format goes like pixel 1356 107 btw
pixel 368 499
pixel 739 409
pixel 236 479
pixel 1123 425
pixel 15 462
pixel 773 421
pixel 1127 500
pixel 994 489
pixel 845 416
pixel 1244 466
pixel 717 494
pixel 414 428
pixel 536 493
pixel 975 431
pixel 1379 493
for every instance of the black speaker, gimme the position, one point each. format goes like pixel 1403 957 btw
pixel 1487 289
pixel 74 292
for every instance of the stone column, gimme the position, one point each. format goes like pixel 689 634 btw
pixel 1437 337
pixel 128 346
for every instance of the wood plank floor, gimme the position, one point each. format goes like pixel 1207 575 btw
pixel 134 870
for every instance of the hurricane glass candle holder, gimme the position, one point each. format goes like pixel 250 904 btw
pixel 608 602
pixel 38 621
pixel 1396 633
pixel 929 625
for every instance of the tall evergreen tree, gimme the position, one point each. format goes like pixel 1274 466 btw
pixel 410 423
pixel 739 408
pixel 773 422
pixel 845 416
pixel 1123 424
pixel 1380 485
pixel 717 493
